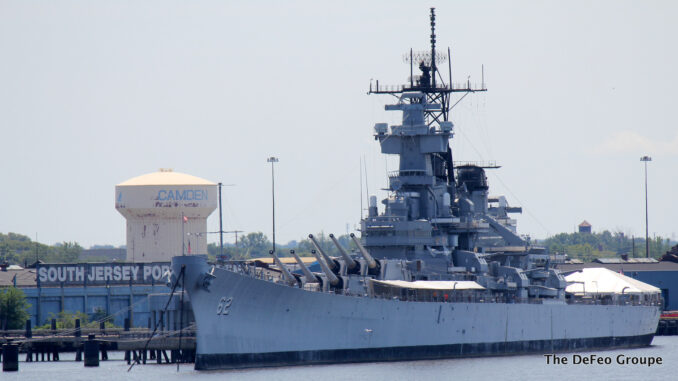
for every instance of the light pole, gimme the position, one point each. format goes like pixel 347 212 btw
pixel 645 159
pixel 221 227
pixel 273 160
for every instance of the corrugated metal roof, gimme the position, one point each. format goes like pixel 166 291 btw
pixel 609 260
pixel 625 267
pixel 642 260
pixel 165 178
pixel 24 278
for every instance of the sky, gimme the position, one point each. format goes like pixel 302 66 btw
pixel 93 93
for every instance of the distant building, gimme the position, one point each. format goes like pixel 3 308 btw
pixel 106 255
pixel 585 227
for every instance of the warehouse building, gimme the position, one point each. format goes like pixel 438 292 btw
pixel 166 215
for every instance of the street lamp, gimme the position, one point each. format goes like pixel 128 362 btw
pixel 273 160
pixel 645 159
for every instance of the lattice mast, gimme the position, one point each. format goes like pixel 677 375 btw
pixel 431 81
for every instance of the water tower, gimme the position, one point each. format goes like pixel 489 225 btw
pixel 160 209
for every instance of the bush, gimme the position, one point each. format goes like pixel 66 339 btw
pixel 13 306
pixel 66 320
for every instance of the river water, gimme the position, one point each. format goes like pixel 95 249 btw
pixel 532 367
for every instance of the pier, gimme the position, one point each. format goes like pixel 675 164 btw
pixel 668 324
pixel 92 344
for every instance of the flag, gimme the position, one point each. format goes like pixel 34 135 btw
pixel 185 219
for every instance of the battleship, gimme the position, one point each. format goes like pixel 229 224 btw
pixel 440 273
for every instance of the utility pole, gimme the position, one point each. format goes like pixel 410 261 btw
pixel 221 227
pixel 645 159
pixel 273 160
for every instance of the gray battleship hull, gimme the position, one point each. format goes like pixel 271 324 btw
pixel 248 322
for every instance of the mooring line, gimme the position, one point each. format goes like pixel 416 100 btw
pixel 181 319
pixel 174 287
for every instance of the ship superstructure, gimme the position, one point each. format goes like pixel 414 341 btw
pixel 441 272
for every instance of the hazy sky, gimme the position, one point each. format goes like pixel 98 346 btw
pixel 93 93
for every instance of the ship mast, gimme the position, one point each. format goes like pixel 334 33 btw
pixel 431 82
pixel 437 92
pixel 426 202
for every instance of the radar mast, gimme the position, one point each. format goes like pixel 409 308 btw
pixel 430 81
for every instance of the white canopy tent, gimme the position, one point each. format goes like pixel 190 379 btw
pixel 431 284
pixel 601 281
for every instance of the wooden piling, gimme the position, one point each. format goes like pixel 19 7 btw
pixel 78 332
pixel 104 352
pixel 10 358
pixel 29 331
pixel 91 351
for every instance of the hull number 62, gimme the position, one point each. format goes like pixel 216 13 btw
pixel 224 305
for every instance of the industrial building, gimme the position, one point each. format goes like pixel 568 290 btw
pixel 166 214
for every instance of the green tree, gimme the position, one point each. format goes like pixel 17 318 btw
pixel 588 246
pixel 255 245
pixel 19 249
pixel 13 306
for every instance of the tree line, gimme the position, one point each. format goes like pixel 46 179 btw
pixel 18 249
pixel 589 246
pixel 21 250
pixel 257 245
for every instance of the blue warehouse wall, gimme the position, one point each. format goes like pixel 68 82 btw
pixel 667 281
pixel 114 300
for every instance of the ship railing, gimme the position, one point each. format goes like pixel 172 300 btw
pixel 482 164
pixel 407 172
pixel 443 296
pixel 615 300
pixel 384 219
pixel 457 86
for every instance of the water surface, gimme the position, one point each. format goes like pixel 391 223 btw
pixel 532 367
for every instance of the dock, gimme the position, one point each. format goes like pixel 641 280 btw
pixel 668 324
pixel 46 344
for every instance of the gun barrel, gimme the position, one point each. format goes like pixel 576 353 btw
pixel 286 273
pixel 307 273
pixel 330 275
pixel 330 262
pixel 350 262
pixel 371 263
